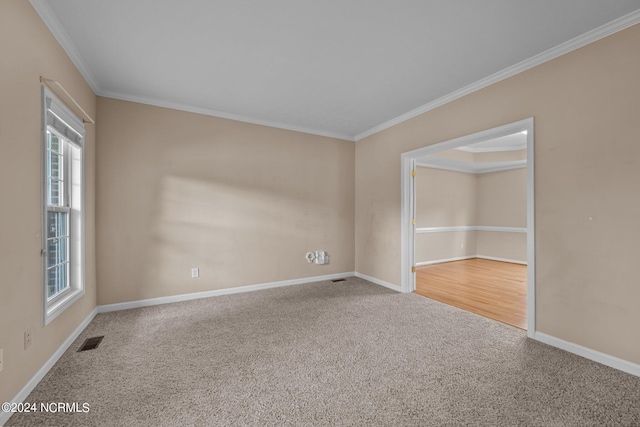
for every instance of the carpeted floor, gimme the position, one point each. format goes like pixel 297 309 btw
pixel 346 353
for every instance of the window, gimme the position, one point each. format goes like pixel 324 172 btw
pixel 63 206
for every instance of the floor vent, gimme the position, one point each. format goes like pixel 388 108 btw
pixel 338 280
pixel 91 343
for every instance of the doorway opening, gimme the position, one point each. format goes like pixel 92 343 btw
pixel 468 243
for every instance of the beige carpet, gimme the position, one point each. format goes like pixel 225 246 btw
pixel 347 353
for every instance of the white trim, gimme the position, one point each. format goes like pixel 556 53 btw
pixel 44 369
pixel 407 204
pixel 485 135
pixel 502 229
pixel 222 115
pixel 58 31
pixel 69 297
pixel 563 48
pixel 531 231
pixel 492 149
pixel 423 230
pixel 505 166
pixel 588 353
pixel 439 165
pixel 443 163
pixel 408 213
pixel 379 282
pixel 51 309
pixel 440 261
pixel 56 28
pixel 217 292
pixel 495 258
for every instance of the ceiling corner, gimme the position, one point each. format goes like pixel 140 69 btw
pixel 50 20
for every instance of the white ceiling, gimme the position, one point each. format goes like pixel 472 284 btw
pixel 332 67
pixel 516 141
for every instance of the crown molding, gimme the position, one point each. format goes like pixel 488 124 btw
pixel 58 31
pixel 468 167
pixel 220 114
pixel 424 230
pixel 577 42
pixel 492 149
pixel 55 27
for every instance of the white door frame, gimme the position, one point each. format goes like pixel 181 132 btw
pixel 408 201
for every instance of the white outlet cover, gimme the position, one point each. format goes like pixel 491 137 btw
pixel 195 272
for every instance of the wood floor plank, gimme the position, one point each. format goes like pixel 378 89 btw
pixel 493 289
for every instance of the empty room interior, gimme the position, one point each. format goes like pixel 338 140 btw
pixel 319 213
pixel 471 234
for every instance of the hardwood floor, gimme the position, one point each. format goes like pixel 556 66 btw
pixel 493 289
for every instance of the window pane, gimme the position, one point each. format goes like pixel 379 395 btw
pixel 54 165
pixel 62 245
pixel 52 278
pixel 51 252
pixel 57 280
pixel 57 251
pixel 62 277
pixel 55 192
pixel 53 142
pixel 55 170
pixel 56 224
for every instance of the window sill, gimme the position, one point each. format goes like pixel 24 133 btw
pixel 51 311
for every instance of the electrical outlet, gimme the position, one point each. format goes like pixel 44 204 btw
pixel 195 272
pixel 1 359
pixel 27 338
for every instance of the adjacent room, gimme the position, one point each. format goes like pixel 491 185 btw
pixel 471 228
pixel 207 213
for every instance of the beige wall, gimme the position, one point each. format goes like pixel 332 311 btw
pixel 445 198
pixel 28 50
pixel 242 202
pixel 445 246
pixel 587 158
pixel 502 198
pixel 497 244
pixel 448 198
pixel 502 202
pixel 178 190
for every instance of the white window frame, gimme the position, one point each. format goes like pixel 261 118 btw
pixel 74 171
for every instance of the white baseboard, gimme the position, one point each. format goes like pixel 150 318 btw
pixel 379 282
pixel 33 382
pixel 493 258
pixel 587 353
pixel 206 294
pixel 439 261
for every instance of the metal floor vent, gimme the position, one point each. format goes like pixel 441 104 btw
pixel 91 343
pixel 338 280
